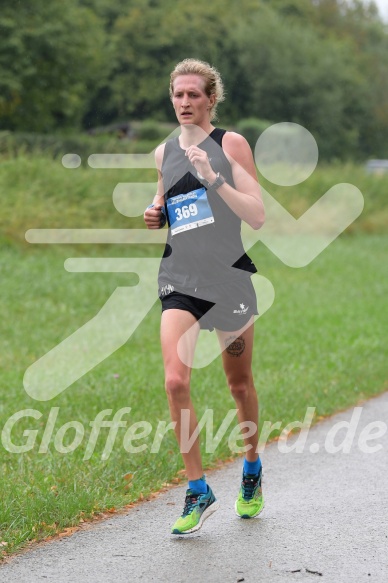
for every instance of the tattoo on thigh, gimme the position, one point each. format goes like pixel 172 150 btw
pixel 235 346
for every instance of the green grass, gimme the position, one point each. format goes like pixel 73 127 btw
pixel 37 192
pixel 320 345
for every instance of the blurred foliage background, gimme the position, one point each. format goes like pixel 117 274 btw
pixel 70 67
pixel 87 76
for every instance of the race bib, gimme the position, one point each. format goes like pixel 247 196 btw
pixel 189 211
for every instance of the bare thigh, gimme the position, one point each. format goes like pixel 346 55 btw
pixel 177 346
pixel 237 350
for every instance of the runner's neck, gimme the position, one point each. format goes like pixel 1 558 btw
pixel 193 135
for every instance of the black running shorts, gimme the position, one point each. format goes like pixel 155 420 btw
pixel 227 306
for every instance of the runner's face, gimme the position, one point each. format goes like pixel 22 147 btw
pixel 191 104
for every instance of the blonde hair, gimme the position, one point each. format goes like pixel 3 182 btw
pixel 213 82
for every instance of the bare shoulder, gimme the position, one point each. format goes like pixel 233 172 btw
pixel 237 148
pixel 239 153
pixel 235 145
pixel 159 153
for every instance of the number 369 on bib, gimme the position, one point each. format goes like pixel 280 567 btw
pixel 189 211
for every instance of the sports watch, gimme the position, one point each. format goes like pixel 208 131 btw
pixel 219 181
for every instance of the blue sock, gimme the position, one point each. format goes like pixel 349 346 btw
pixel 252 468
pixel 198 486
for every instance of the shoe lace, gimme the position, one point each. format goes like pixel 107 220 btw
pixel 249 483
pixel 190 502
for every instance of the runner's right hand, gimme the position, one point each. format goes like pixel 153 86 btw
pixel 153 217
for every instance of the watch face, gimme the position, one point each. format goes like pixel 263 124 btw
pixel 219 181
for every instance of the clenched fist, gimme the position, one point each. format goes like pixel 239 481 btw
pixel 154 216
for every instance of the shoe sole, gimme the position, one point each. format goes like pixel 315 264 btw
pixel 247 515
pixel 208 512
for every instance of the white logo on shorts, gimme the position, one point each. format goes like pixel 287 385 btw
pixel 166 289
pixel 243 310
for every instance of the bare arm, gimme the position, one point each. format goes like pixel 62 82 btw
pixel 245 199
pixel 152 216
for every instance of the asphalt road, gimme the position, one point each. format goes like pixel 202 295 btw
pixel 325 520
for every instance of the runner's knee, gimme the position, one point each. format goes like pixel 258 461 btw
pixel 177 386
pixel 240 387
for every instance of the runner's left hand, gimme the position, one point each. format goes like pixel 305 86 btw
pixel 199 159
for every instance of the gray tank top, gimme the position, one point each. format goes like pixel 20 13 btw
pixel 204 244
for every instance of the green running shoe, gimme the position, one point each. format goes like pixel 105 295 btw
pixel 250 500
pixel 197 508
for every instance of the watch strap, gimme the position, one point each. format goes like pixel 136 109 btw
pixel 219 181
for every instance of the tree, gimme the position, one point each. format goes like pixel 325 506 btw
pixel 291 74
pixel 150 38
pixel 51 58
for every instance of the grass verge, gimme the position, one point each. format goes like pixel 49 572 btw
pixel 320 345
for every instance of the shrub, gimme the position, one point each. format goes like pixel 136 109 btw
pixel 251 128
